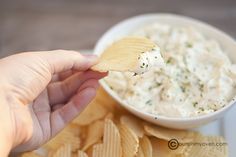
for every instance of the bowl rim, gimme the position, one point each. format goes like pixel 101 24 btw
pixel 145 113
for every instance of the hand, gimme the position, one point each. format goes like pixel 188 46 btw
pixel 40 93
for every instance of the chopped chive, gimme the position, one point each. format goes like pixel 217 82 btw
pixel 201 87
pixel 195 104
pixel 189 45
pixel 148 102
pixel 168 61
pixel 183 89
pixel 201 108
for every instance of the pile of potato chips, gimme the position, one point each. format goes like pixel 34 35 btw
pixel 104 129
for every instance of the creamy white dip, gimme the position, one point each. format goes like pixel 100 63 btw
pixel 198 78
pixel 149 59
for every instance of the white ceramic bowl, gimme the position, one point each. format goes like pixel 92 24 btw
pixel 125 27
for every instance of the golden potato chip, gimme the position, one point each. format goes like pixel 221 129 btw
pixel 110 116
pixel 109 103
pixel 30 154
pixel 160 148
pixel 129 141
pixel 95 132
pixel 111 146
pixel 98 150
pixel 102 98
pixel 133 124
pixel 63 151
pixel 92 113
pixel 218 147
pixel 146 145
pixel 81 154
pixel 214 153
pixel 197 148
pixel 140 152
pixel 65 136
pixel 123 54
pixel 205 146
pixel 73 128
pixel 168 134
pixel 89 151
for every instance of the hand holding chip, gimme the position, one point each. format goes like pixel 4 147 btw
pixel 40 93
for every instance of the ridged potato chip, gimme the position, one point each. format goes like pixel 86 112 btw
pixel 111 146
pixel 140 152
pixel 95 132
pixel 91 114
pixel 215 146
pixel 109 103
pixel 129 141
pixel 89 151
pixel 31 154
pixel 160 148
pixel 67 134
pixel 146 145
pixel 218 147
pixel 203 146
pixel 62 151
pixel 197 149
pixel 81 154
pixel 98 150
pixel 123 54
pixel 133 124
pixel 168 134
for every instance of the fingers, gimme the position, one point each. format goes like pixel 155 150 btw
pixel 63 75
pixel 68 112
pixel 63 60
pixel 60 92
